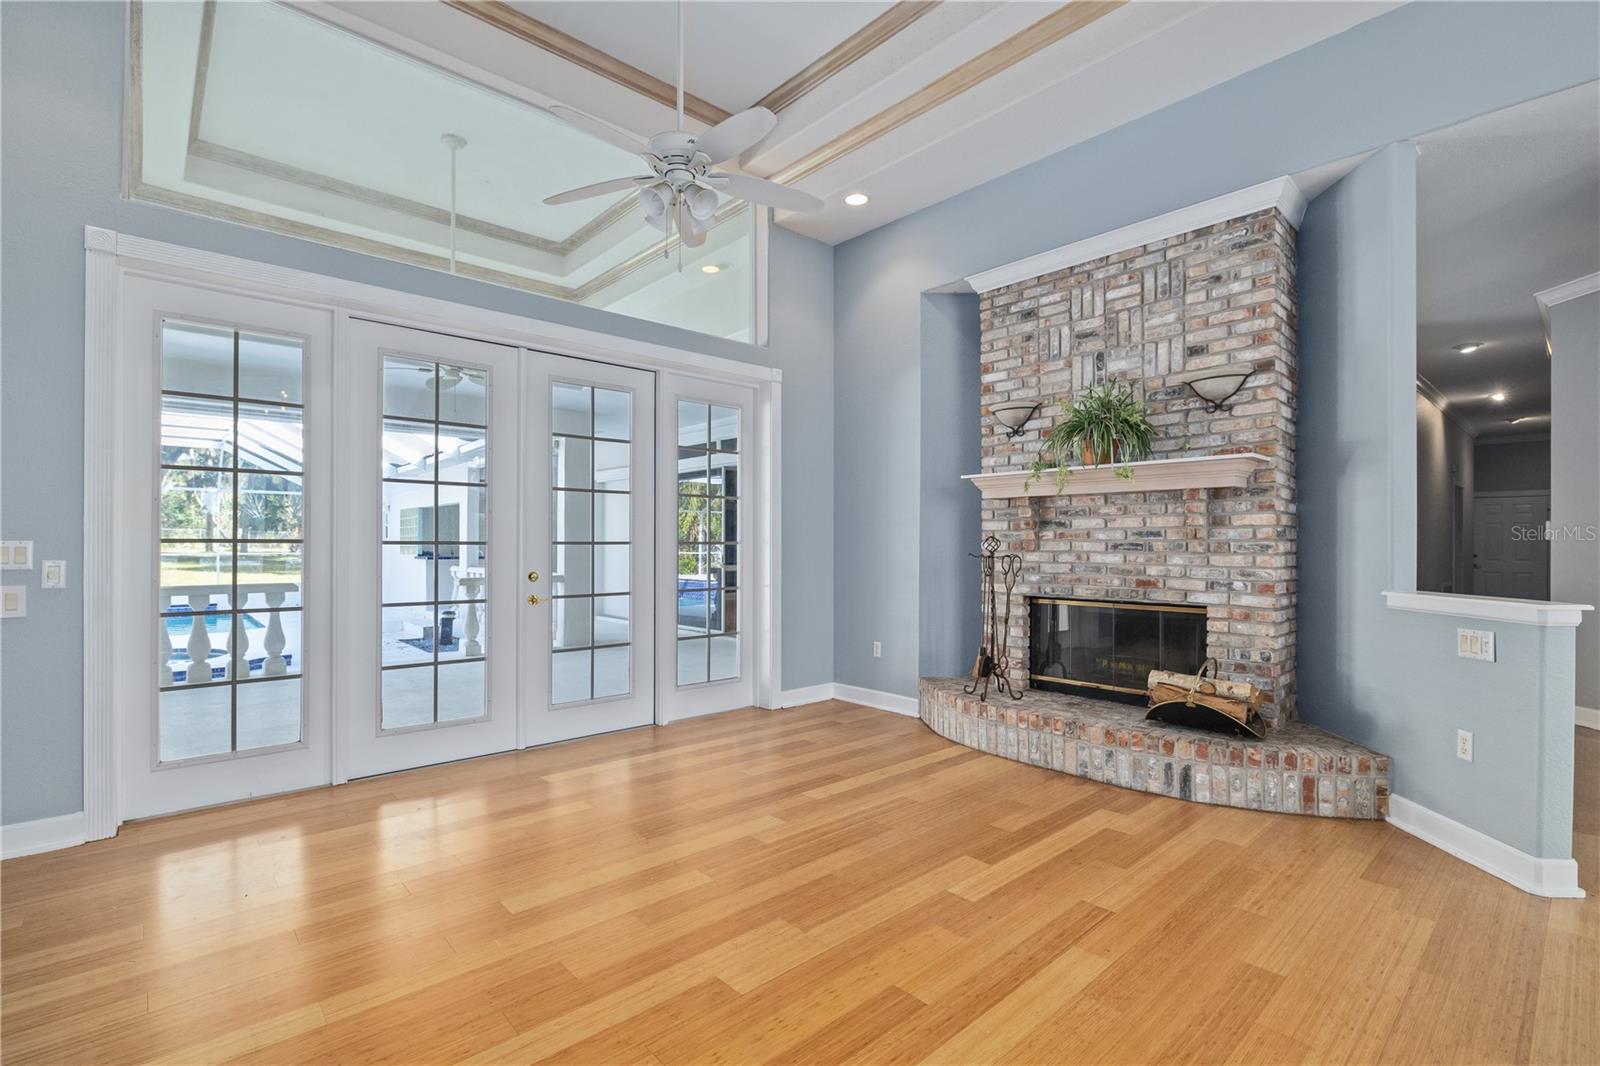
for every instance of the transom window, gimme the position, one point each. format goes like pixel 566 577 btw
pixel 591 507
pixel 708 542
pixel 231 539
pixel 435 548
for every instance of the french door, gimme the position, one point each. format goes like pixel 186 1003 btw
pixel 589 645
pixel 429 465
pixel 502 500
pixel 222 602
pixel 357 547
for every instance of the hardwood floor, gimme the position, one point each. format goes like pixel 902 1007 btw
pixel 828 884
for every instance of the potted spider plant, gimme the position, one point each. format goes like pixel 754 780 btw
pixel 1104 425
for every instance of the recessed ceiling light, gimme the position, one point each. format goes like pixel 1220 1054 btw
pixel 856 199
pixel 711 268
pixel 1498 397
pixel 1469 347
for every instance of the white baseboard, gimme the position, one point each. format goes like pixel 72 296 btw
pixel 42 834
pixel 870 697
pixel 1588 717
pixel 798 697
pixel 1555 878
pixel 867 697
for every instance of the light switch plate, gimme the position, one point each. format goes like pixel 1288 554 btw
pixel 1475 644
pixel 16 555
pixel 53 574
pixel 13 601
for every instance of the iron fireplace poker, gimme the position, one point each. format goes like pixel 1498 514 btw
pixel 996 572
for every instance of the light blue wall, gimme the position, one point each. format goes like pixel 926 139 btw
pixel 63 76
pixel 1386 678
pixel 1575 474
pixel 948 629
pixel 1421 67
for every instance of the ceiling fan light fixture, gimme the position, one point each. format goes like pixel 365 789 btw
pixel 701 201
pixel 656 199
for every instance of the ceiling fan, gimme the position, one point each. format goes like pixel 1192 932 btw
pixel 681 190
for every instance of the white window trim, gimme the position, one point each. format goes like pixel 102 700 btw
pixel 110 257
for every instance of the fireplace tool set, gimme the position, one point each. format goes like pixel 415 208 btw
pixel 998 572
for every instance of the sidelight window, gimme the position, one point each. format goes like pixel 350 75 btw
pixel 231 536
pixel 708 542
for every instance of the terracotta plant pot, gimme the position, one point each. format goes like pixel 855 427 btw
pixel 1093 458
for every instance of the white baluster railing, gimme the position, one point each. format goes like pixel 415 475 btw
pixel 198 650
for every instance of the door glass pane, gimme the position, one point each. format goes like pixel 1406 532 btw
pixel 709 437
pixel 461 691
pixel 590 504
pixel 434 555
pixel 231 531
pixel 269 368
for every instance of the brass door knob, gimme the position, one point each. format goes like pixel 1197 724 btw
pixel 533 601
pixel 533 575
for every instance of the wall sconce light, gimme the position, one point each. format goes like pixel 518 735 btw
pixel 1217 389
pixel 1015 416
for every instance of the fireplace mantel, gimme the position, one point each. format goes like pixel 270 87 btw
pixel 1152 475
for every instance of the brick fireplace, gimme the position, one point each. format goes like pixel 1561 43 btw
pixel 1206 528
pixel 1154 316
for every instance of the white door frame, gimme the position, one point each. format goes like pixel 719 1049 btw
pixel 111 257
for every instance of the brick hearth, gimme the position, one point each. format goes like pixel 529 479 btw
pixel 1297 769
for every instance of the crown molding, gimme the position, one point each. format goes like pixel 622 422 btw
pixel 1571 290
pixel 846 52
pixel 1056 26
pixel 504 17
pixel 1281 193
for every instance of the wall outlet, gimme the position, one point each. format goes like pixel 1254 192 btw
pixel 16 555
pixel 1475 644
pixel 1463 745
pixel 13 601
pixel 877 649
pixel 53 574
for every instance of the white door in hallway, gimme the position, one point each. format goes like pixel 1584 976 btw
pixel 430 468
pixel 1510 556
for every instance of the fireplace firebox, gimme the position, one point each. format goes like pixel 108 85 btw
pixel 1108 649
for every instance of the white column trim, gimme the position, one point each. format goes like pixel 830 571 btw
pixel 1553 878
pixel 1491 608
pixel 1568 290
pixel 769 546
pixel 102 285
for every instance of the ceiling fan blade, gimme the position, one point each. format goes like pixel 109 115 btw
pixel 599 188
pixel 770 193
pixel 731 136
pixel 628 142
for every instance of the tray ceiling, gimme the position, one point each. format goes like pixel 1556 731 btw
pixel 909 102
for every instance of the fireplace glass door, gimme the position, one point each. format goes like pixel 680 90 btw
pixel 1110 648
